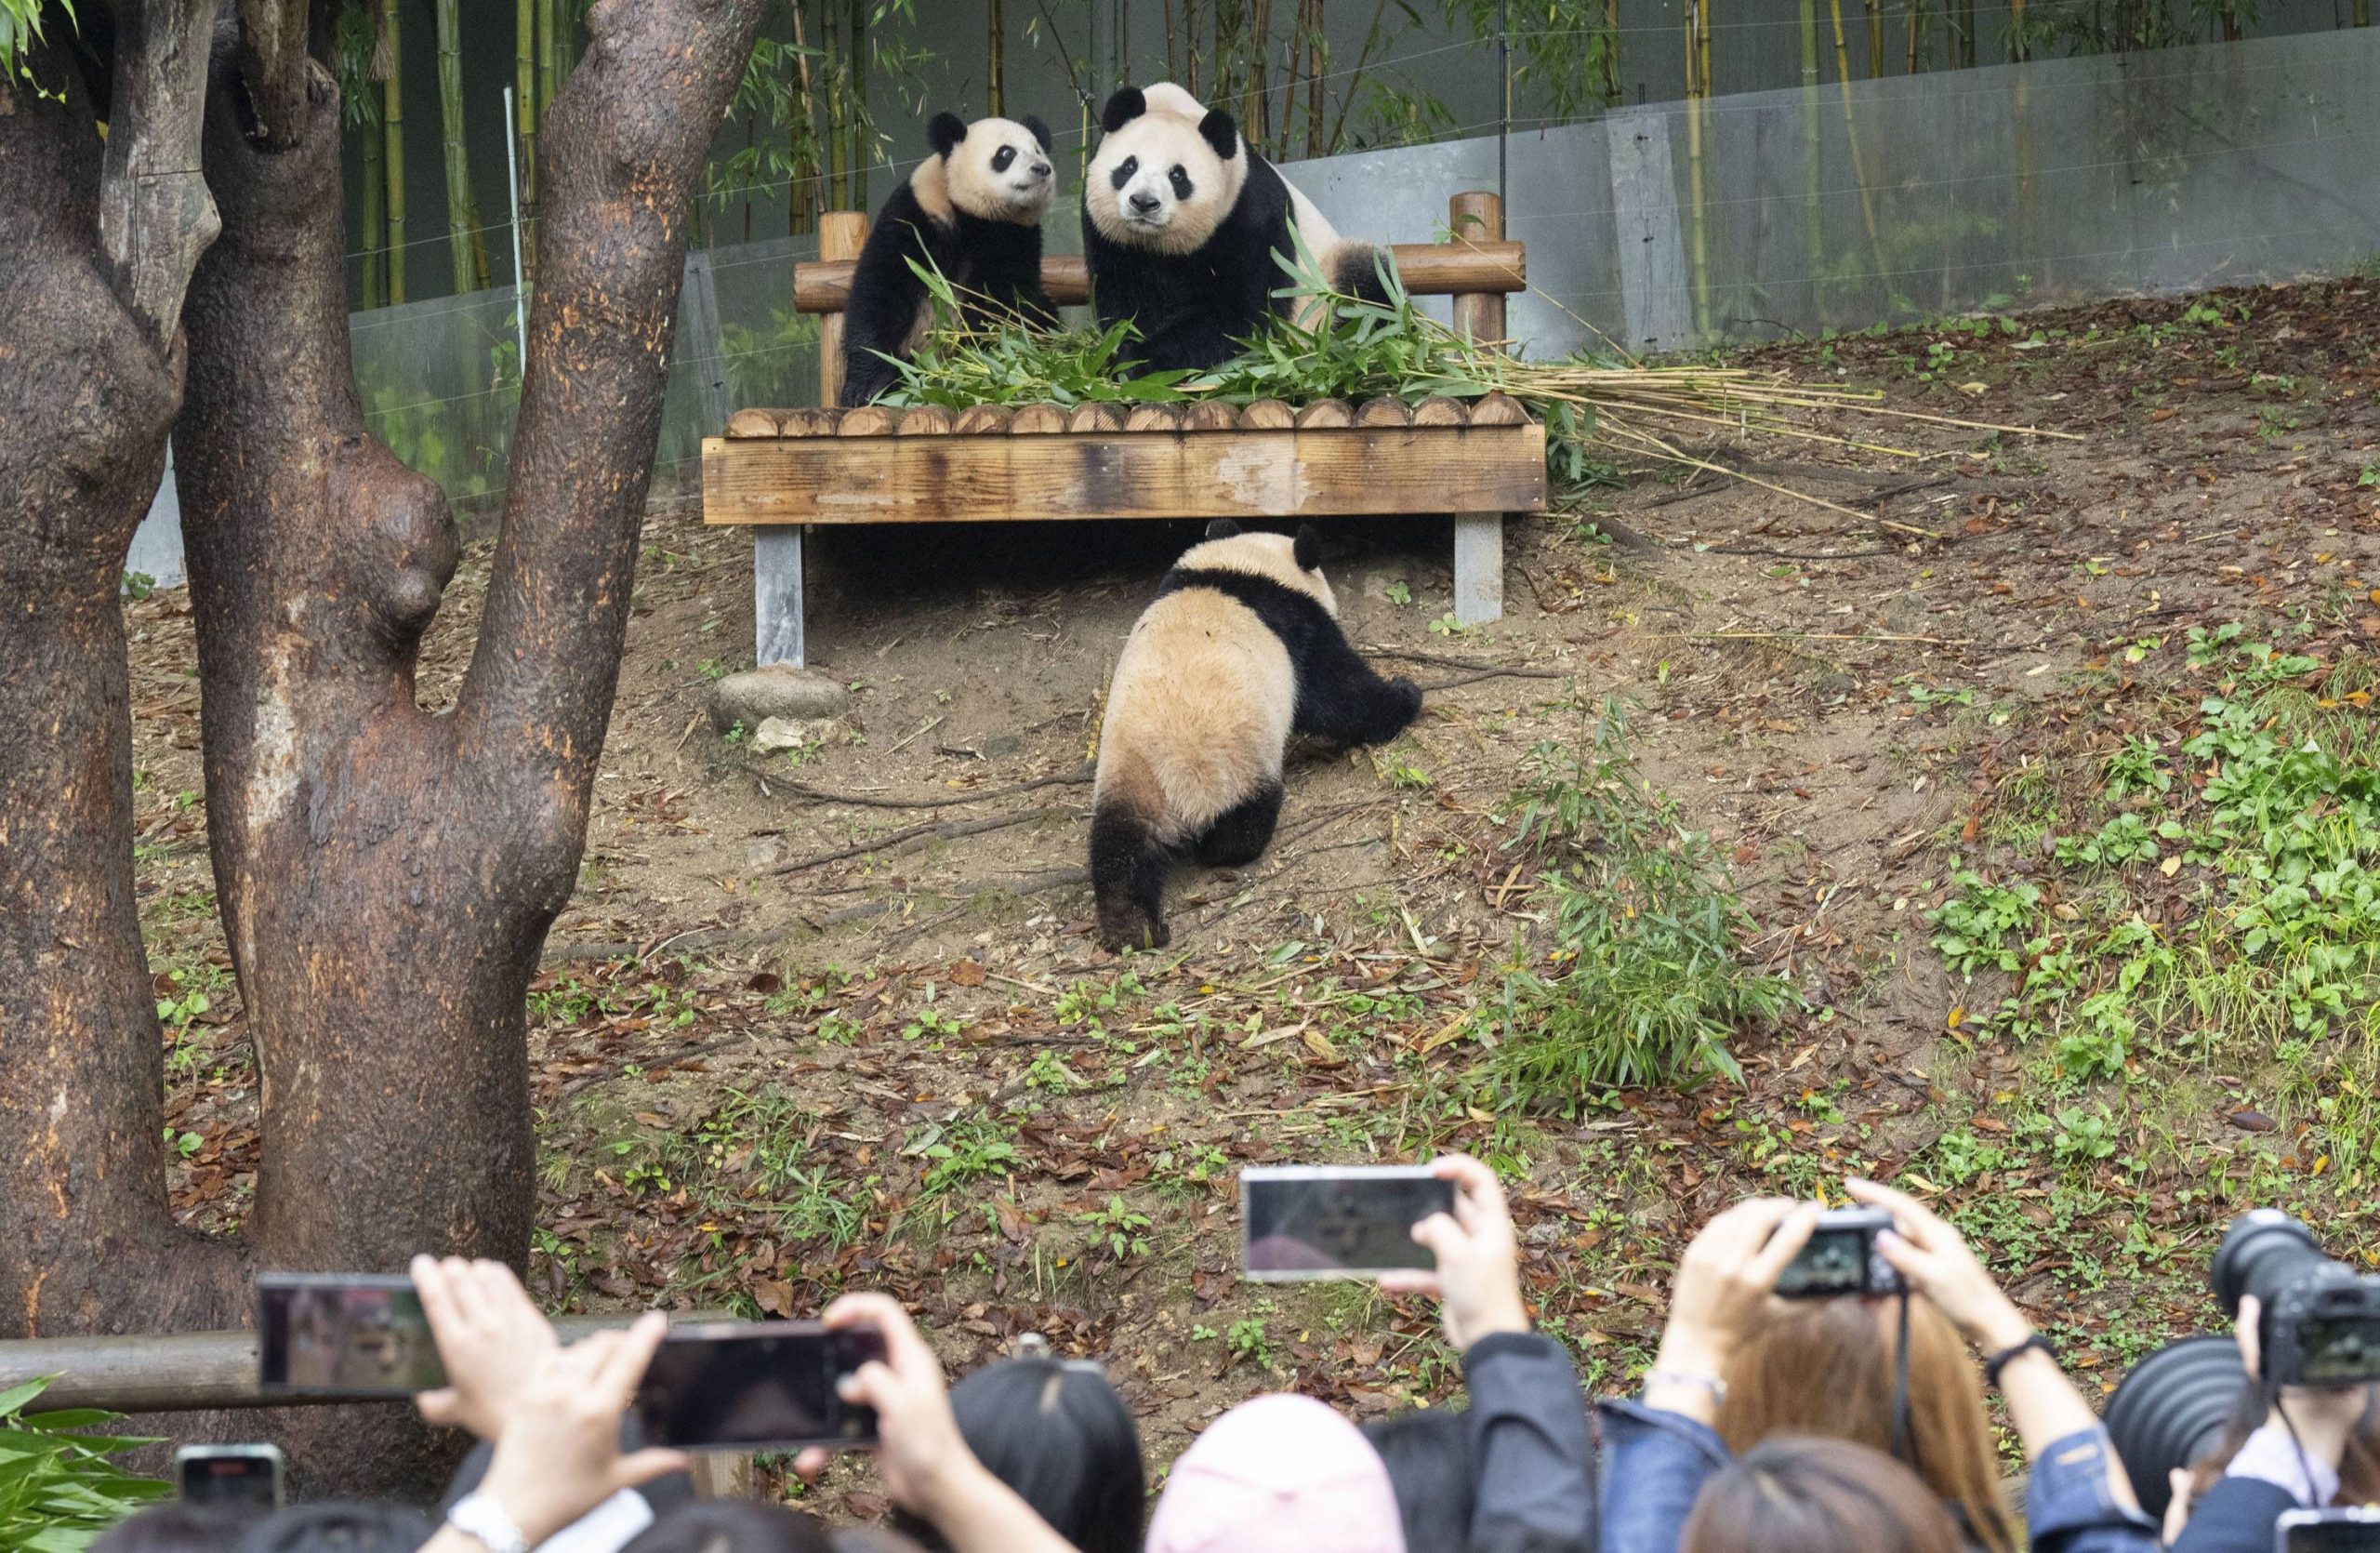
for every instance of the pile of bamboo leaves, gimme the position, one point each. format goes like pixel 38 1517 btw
pixel 1335 346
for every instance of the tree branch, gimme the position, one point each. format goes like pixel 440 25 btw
pixel 622 149
pixel 272 70
pixel 155 214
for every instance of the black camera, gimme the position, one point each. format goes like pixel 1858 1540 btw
pixel 1841 1257
pixel 2320 1323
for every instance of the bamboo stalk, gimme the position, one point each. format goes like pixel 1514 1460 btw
pixel 1851 135
pixel 1875 38
pixel 1916 27
pixel 461 223
pixel 1611 36
pixel 525 124
pixel 2018 49
pixel 801 134
pixel 392 140
pixel 995 66
pixel 1697 87
pixel 830 42
pixel 549 70
pixel 858 119
pixel 375 220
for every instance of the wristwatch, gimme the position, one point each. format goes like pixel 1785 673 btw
pixel 480 1518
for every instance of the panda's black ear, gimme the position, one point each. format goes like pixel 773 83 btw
pixel 1306 550
pixel 1223 529
pixel 1122 108
pixel 1039 131
pixel 1221 133
pixel 945 131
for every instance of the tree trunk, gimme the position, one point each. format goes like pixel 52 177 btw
pixel 386 876
pixel 97 241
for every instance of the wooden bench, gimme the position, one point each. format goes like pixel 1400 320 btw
pixel 780 471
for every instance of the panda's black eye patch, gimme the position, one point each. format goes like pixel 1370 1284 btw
pixel 1181 183
pixel 1003 157
pixel 1124 171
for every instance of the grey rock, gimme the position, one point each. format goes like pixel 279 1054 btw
pixel 775 690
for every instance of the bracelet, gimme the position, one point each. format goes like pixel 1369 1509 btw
pixel 2015 1351
pixel 1717 1388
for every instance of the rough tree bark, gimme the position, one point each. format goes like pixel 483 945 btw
pixel 96 245
pixel 386 876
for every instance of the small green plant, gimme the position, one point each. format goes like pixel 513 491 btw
pixel 57 1488
pixel 139 585
pixel 1642 984
pixel 2083 1137
pixel 2369 478
pixel 973 1149
pixel 1401 595
pixel 1247 1339
pixel 1119 1229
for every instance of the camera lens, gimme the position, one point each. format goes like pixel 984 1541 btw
pixel 2264 1252
pixel 2170 1411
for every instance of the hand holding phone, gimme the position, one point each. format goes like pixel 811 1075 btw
pixel 229 1474
pixel 776 1384
pixel 1306 1222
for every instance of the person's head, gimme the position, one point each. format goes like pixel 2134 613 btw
pixel 1280 1474
pixel 1826 1367
pixel 2359 1466
pixel 1059 1435
pixel 1801 1494
pixel 1427 1451
pixel 174 1527
pixel 340 1526
pixel 732 1526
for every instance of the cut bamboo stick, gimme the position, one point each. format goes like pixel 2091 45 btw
pixel 752 423
pixel 1037 420
pixel 1153 418
pixel 1325 413
pixel 1438 410
pixel 1268 415
pixel 868 420
pixel 1096 417
pixel 1498 409
pixel 977 420
pixel 1210 415
pixel 1383 411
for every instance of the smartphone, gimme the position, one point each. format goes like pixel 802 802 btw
pixel 229 1474
pixel 352 1333
pixel 755 1383
pixel 2345 1531
pixel 1301 1222
pixel 1841 1257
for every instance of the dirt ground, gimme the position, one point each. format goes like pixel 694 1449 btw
pixel 831 1017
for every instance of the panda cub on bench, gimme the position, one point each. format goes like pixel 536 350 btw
pixel 1181 222
pixel 1240 649
pixel 971 210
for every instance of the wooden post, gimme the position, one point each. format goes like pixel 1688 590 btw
pixel 1479 217
pixel 779 634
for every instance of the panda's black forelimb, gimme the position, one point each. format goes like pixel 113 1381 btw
pixel 1341 700
pixel 1127 872
pixel 1241 835
pixel 885 296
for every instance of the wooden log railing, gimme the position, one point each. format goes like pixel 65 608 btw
pixel 183 1372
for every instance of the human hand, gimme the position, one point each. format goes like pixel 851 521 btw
pixel 1479 1273
pixel 558 1455
pixel 491 1337
pixel 924 1460
pixel 1726 1281
pixel 1936 1261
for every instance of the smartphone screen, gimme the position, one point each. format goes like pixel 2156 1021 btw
pixel 355 1334
pixel 769 1383
pixel 2349 1530
pixel 229 1474
pixel 1336 1221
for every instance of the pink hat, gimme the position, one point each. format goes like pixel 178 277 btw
pixel 1280 1474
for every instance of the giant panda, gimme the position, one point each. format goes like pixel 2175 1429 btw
pixel 1181 219
pixel 1240 648
pixel 972 210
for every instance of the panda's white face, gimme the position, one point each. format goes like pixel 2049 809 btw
pixel 1000 171
pixel 1158 183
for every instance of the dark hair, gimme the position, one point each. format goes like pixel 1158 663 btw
pixel 175 1527
pixel 340 1526
pixel 1059 1435
pixel 732 1526
pixel 1427 1453
pixel 1810 1495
